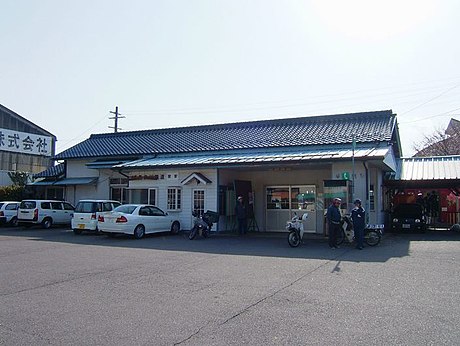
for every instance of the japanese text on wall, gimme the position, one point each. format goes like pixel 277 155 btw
pixel 25 143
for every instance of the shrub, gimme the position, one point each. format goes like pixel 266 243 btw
pixel 12 193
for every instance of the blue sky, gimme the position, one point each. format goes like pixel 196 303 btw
pixel 66 64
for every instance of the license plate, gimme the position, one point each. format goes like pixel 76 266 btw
pixel 82 226
pixel 406 225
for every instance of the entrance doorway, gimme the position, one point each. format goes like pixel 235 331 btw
pixel 283 201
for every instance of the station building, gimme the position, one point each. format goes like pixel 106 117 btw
pixel 280 167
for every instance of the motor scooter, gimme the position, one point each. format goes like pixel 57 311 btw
pixel 295 228
pixel 372 233
pixel 202 225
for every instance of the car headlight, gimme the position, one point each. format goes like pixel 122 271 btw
pixel 417 220
pixel 395 220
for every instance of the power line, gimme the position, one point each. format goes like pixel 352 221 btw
pixel 432 116
pixel 323 99
pixel 432 99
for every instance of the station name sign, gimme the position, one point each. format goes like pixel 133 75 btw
pixel 25 143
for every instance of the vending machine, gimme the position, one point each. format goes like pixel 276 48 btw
pixel 340 188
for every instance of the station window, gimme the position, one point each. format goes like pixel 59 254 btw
pixel 198 201
pixel 174 198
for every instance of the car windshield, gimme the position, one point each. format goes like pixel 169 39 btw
pixel 408 210
pixel 127 209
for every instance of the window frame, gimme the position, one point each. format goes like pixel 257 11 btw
pixel 174 198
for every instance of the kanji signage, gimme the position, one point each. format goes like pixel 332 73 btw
pixel 25 143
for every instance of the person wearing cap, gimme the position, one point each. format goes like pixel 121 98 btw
pixel 358 215
pixel 334 217
pixel 241 215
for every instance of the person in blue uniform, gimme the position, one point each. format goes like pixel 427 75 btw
pixel 358 215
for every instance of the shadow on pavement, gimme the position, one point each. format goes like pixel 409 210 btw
pixel 253 244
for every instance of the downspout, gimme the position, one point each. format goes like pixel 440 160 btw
pixel 368 202
pixel 218 198
pixel 123 174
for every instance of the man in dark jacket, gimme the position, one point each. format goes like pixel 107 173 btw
pixel 241 216
pixel 334 217
pixel 358 215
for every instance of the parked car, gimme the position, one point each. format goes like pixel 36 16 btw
pixel 138 220
pixel 408 217
pixel 87 213
pixel 44 212
pixel 9 213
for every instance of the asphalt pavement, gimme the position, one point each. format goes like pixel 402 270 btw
pixel 58 288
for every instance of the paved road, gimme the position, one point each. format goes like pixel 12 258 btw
pixel 57 288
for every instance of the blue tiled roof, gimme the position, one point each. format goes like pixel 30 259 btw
pixel 51 172
pixel 366 127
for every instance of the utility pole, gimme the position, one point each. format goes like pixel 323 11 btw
pixel 116 117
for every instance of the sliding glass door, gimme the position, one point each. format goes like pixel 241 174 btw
pixel 282 202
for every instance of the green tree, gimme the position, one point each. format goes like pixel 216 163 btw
pixel 18 178
pixel 12 193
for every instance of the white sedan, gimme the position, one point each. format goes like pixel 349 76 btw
pixel 138 220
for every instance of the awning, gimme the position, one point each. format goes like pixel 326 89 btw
pixel 41 182
pixel 104 164
pixel 198 177
pixel 429 168
pixel 257 157
pixel 429 172
pixel 76 181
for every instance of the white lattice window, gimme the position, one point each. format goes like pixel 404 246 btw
pixel 198 201
pixel 174 198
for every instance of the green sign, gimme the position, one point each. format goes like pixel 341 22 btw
pixel 346 175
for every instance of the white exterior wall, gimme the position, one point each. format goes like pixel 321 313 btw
pixel 185 214
pixel 259 176
pixel 78 169
pixel 375 178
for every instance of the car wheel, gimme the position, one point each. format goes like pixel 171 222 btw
pixel 139 232
pixel 175 228
pixel 47 223
pixel 77 231
pixel 14 222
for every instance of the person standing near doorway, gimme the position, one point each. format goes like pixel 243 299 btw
pixel 358 215
pixel 334 217
pixel 241 215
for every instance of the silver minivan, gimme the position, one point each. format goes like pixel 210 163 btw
pixel 87 212
pixel 44 212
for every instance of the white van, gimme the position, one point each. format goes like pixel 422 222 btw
pixel 8 213
pixel 44 212
pixel 87 212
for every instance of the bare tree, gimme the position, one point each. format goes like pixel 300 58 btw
pixel 440 142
